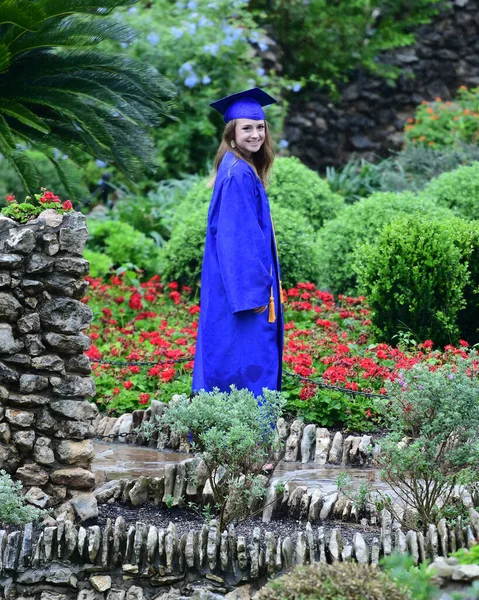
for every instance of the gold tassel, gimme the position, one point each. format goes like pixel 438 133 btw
pixel 282 293
pixel 271 313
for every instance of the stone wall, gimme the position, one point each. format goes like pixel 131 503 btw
pixel 370 116
pixel 45 417
pixel 106 563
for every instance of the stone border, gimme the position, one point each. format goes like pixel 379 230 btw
pixel 308 443
pixel 64 554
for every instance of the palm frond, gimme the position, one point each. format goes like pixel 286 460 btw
pixel 63 176
pixel 72 32
pixel 23 114
pixel 21 13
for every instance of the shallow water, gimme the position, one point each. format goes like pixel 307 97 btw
pixel 129 461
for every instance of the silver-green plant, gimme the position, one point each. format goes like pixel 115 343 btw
pixel 235 435
pixel 433 444
pixel 13 508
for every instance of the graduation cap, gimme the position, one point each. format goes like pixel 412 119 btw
pixel 244 105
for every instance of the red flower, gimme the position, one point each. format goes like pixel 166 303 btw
pixel 194 309
pixel 10 198
pixel 427 344
pixel 119 299
pixel 67 205
pixel 143 398
pixel 93 353
pixel 116 391
pixel 173 285
pixel 127 384
pixel 135 302
pixel 463 343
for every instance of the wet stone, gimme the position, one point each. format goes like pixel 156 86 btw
pixel 19 418
pixel 39 263
pixel 29 323
pixel 79 364
pixel 73 385
pixel 21 240
pixel 78 410
pixel 10 308
pixel 293 441
pixel 7 341
pixel 49 362
pixel 65 315
pixel 34 345
pixel 37 497
pixel 32 383
pixel 5 433
pixel 323 438
pixel 24 440
pixel 5 279
pixel 19 359
pixel 10 261
pixel 75 266
pixel 50 244
pixel 42 453
pixel 31 286
pixel 335 451
pixel 307 443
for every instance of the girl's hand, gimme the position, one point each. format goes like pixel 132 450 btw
pixel 260 309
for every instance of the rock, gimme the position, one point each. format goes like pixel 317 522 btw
pixel 37 497
pixel 322 446
pixel 32 383
pixel 109 490
pixel 308 443
pixel 74 477
pixel 302 553
pixel 32 474
pixel 328 504
pixel 287 553
pixel 24 440
pixel 73 265
pixel 7 341
pixel 361 550
pixel 10 308
pixel 269 503
pixel 85 507
pixel 10 261
pixel 76 430
pixel 75 453
pixel 465 573
pixel 39 263
pixel 139 492
pixel 73 234
pixel 335 545
pixel 292 443
pixel 65 315
pixel 73 385
pixel 33 344
pixel 67 344
pixel 315 505
pixel 5 433
pixel 412 545
pixel 8 374
pixel 336 448
pixel 240 593
pixel 440 568
pixel 49 362
pixel 32 287
pixel 50 244
pixel 432 542
pixel 74 409
pixel 62 284
pixel 19 418
pixel 79 364
pixel 21 240
pixel 100 583
pixel 386 532
pixel 9 458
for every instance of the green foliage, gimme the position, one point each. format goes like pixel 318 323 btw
pixel 414 279
pixel 411 169
pixel 123 244
pixel 100 263
pixel 341 581
pixel 61 94
pixel 468 556
pixel 358 224
pixel 205 51
pixel 359 498
pixel 435 413
pixel 346 35
pixel 330 409
pixel 401 569
pixel 457 190
pixel 295 186
pixel 446 124
pixel 152 214
pixel 13 509
pixel 233 434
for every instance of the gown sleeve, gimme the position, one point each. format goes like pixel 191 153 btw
pixel 241 245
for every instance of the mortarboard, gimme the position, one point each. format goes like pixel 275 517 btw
pixel 244 105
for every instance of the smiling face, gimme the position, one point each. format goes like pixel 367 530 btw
pixel 249 135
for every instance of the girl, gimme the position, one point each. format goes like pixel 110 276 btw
pixel 240 333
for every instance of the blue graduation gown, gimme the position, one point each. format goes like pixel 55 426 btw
pixel 240 267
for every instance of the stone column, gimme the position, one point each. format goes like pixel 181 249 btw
pixel 45 417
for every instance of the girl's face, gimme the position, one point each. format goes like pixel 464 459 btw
pixel 249 135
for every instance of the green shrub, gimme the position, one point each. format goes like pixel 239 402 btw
pixel 182 256
pixel 457 190
pixel 295 186
pixel 100 264
pixel 123 244
pixel 341 581
pixel 232 433
pixel 438 413
pixel 13 509
pixel 357 224
pixel 414 279
pixel 197 196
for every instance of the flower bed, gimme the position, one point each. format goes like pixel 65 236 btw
pixel 326 339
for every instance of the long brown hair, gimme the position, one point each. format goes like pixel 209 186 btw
pixel 261 161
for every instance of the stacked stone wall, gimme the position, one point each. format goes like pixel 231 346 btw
pixel 370 116
pixel 45 417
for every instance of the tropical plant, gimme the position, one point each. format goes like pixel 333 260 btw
pixel 60 92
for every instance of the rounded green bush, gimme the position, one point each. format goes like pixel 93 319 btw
pixel 295 186
pixel 457 190
pixel 100 263
pixel 182 256
pixel 197 196
pixel 414 277
pixel 341 581
pixel 357 224
pixel 123 244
